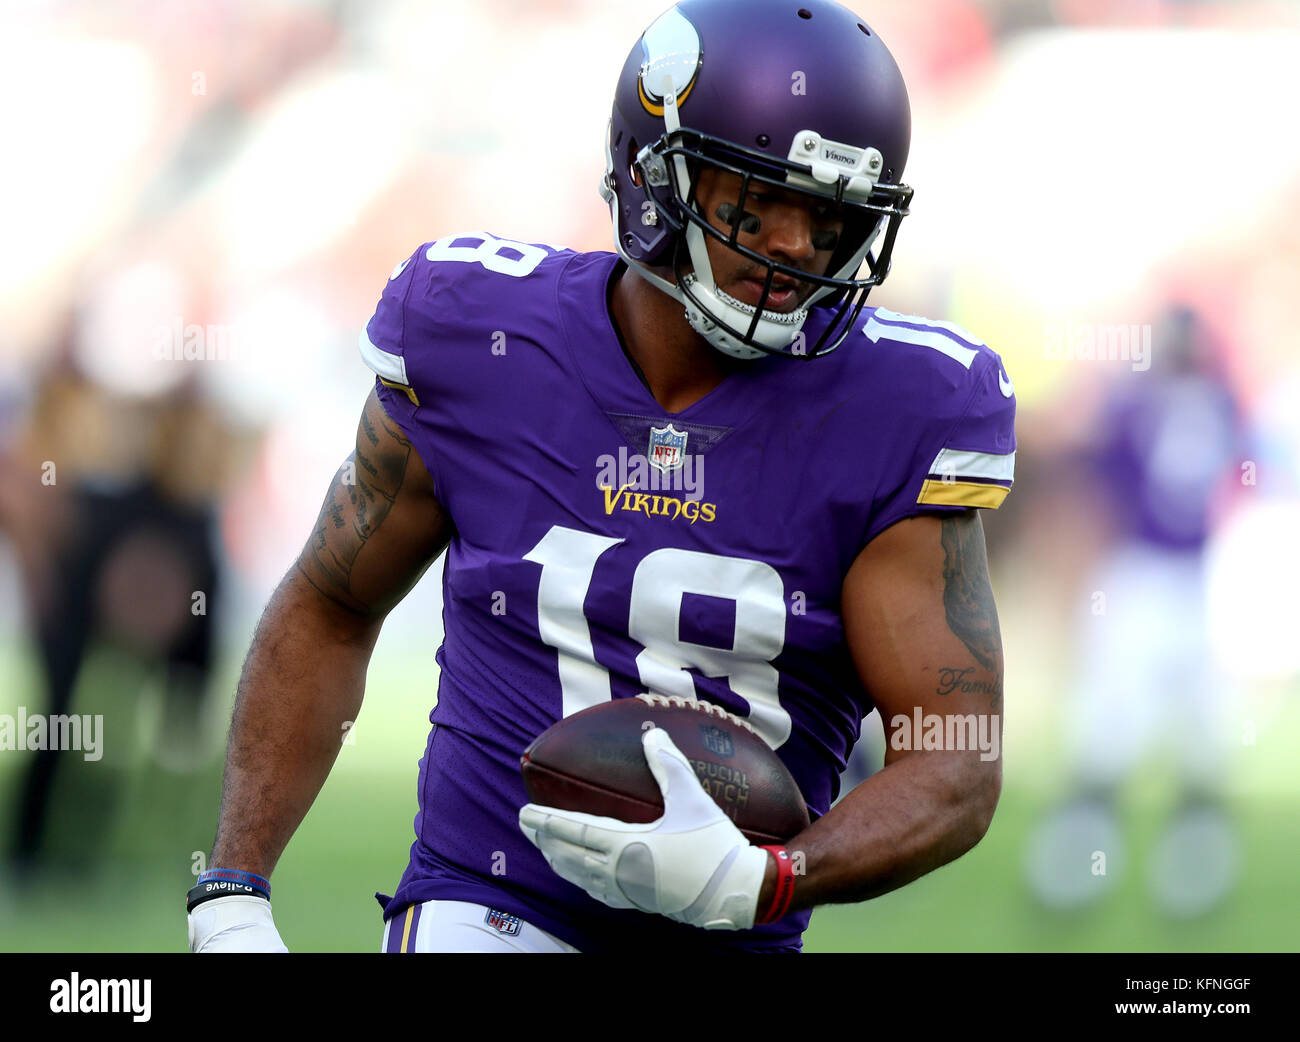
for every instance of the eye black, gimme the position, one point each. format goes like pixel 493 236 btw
pixel 825 240
pixel 729 214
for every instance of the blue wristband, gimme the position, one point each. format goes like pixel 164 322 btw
pixel 234 875
pixel 214 888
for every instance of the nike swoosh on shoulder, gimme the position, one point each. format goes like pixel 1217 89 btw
pixel 1005 385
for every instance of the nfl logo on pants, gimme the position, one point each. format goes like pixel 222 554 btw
pixel 502 922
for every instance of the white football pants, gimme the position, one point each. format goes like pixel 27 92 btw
pixel 458 926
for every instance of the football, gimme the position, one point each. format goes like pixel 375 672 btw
pixel 593 762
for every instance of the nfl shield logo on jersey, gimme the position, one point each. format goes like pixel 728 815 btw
pixel 667 448
pixel 502 922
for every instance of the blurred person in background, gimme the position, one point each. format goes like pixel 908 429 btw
pixel 1170 444
pixel 110 508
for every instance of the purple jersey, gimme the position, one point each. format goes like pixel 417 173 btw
pixel 604 547
pixel 1172 444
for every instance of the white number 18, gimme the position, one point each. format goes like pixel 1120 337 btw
pixel 568 558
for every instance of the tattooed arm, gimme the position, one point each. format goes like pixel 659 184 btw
pixel 380 527
pixel 922 628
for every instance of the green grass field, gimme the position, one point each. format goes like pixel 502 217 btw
pixel 127 830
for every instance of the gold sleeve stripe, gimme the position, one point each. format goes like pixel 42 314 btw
pixel 408 391
pixel 962 494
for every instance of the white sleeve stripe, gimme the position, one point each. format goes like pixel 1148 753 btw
pixel 941 342
pixel 885 315
pixel 389 366
pixel 963 464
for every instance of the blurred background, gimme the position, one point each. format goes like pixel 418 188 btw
pixel 200 208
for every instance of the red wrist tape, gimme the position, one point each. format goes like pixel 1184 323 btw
pixel 784 892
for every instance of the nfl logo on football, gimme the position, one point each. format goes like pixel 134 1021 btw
pixel 716 740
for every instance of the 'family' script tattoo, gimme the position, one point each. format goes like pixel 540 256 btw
pixel 953 679
pixel 967 595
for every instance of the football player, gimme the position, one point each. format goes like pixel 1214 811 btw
pixel 537 414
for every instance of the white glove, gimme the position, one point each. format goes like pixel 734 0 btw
pixel 234 924
pixel 692 865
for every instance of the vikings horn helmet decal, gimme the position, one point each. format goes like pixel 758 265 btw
pixel 670 59
pixel 798 98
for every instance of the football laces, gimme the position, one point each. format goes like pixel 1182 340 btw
pixel 679 702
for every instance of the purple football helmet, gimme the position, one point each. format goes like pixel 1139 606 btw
pixel 792 96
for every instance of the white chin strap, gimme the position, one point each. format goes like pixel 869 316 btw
pixel 775 330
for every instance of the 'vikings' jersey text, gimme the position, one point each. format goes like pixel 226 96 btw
pixel 603 547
